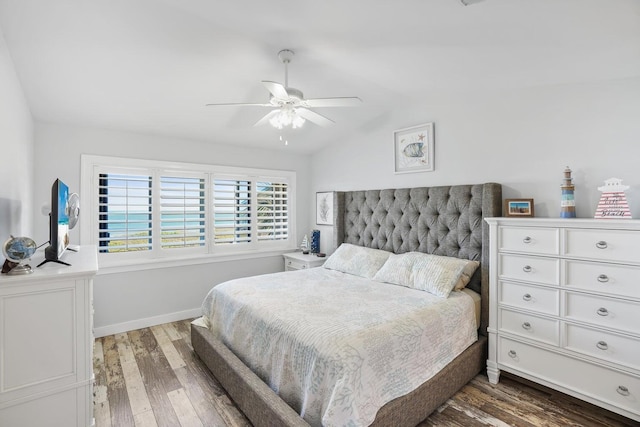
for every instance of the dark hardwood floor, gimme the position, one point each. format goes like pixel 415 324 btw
pixel 151 377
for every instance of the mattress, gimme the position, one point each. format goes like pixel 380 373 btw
pixel 337 347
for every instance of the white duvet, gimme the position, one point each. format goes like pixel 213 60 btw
pixel 337 347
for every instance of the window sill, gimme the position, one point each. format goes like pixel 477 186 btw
pixel 160 263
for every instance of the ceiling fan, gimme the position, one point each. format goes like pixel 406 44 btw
pixel 291 108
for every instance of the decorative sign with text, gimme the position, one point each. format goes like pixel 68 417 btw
pixel 613 202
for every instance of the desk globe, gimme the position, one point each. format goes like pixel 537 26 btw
pixel 17 250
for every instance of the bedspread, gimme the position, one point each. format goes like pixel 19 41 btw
pixel 337 347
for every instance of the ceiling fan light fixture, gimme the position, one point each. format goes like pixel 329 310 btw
pixel 287 117
pixel 289 107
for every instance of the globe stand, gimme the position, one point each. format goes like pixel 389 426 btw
pixel 20 269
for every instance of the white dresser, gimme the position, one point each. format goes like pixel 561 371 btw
pixel 299 261
pixel 46 343
pixel 565 307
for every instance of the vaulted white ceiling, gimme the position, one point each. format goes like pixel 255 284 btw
pixel 151 65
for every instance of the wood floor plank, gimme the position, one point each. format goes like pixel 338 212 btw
pixel 133 379
pixel 119 406
pixel 154 377
pixel 498 407
pixel 171 331
pixel 101 410
pixel 166 345
pixel 160 364
pixel 203 402
pixel 202 374
pixel 184 329
pixel 447 417
pixel 184 409
pixel 474 415
pixel 145 419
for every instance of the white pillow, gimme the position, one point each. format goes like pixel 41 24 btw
pixel 357 260
pixel 435 274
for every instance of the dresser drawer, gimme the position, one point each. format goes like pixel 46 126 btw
pixel 609 245
pixel 530 326
pixel 607 346
pixel 529 268
pixel 535 298
pixel 622 280
pixel 542 241
pixel 577 377
pixel 606 312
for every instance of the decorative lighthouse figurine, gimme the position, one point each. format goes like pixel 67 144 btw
pixel 568 203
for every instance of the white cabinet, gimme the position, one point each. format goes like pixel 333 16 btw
pixel 300 261
pixel 565 307
pixel 46 343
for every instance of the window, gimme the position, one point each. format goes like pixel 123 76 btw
pixel 273 218
pixel 125 216
pixel 182 212
pixel 231 211
pixel 139 209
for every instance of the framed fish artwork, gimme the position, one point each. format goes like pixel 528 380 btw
pixel 414 149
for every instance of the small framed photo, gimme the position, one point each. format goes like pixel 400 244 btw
pixel 324 208
pixel 518 207
pixel 414 149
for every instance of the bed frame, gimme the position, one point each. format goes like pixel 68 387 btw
pixel 445 220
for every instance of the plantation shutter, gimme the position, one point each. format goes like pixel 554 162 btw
pixel 273 212
pixel 182 210
pixel 124 212
pixel 231 211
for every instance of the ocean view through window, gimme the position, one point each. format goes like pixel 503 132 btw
pixel 142 209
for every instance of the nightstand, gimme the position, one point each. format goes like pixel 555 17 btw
pixel 299 261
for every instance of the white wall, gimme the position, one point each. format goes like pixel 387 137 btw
pixel 523 139
pixel 130 300
pixel 16 153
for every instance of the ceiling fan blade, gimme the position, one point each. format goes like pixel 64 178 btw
pixel 237 104
pixel 267 117
pixel 347 101
pixel 314 117
pixel 276 89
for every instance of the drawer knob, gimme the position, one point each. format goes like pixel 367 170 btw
pixel 526 240
pixel 602 345
pixel 526 326
pixel 527 269
pixel 526 297
pixel 603 278
pixel 304 266
pixel 623 390
pixel 513 354
pixel 602 311
pixel 601 244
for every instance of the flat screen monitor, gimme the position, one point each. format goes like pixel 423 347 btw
pixel 58 223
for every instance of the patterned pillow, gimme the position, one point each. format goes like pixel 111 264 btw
pixel 436 274
pixel 357 260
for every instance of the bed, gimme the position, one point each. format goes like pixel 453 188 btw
pixel 445 220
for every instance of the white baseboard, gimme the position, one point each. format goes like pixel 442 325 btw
pixel 132 325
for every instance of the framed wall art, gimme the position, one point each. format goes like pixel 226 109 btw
pixel 518 207
pixel 324 208
pixel 414 149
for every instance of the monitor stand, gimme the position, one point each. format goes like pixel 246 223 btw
pixel 53 260
pixel 57 260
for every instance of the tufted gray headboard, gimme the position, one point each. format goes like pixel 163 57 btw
pixel 445 220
